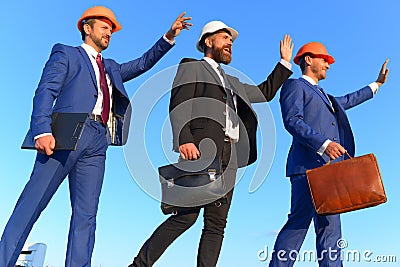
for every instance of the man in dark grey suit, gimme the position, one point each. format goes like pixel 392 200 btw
pixel 208 106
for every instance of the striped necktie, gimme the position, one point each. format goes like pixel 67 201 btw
pixel 229 100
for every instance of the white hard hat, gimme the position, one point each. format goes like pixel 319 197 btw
pixel 212 27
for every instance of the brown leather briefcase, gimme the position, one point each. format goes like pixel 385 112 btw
pixel 348 185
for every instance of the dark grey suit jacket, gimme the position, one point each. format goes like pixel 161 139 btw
pixel 197 107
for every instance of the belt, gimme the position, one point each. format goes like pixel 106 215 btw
pixel 97 118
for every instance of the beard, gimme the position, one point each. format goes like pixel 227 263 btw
pixel 100 43
pixel 219 56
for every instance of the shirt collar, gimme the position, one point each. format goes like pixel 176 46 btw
pixel 309 79
pixel 90 50
pixel 212 62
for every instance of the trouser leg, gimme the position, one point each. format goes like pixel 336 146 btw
pixel 46 177
pixel 291 236
pixel 328 233
pixel 215 219
pixel 163 236
pixel 215 216
pixel 85 183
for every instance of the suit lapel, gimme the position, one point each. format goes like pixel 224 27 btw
pixel 323 97
pixel 212 73
pixel 239 90
pixel 110 73
pixel 345 132
pixel 89 65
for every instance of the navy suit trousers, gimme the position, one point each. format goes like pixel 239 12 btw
pixel 291 236
pixel 85 170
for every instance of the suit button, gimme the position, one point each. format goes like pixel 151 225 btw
pixel 224 97
pixel 333 124
pixel 334 139
pixel 224 113
pixel 95 96
pixel 224 129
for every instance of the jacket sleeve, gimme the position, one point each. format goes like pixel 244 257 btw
pixel 292 107
pixel 50 85
pixel 353 99
pixel 180 107
pixel 270 86
pixel 136 67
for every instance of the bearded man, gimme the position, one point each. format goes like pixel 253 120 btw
pixel 77 79
pixel 208 105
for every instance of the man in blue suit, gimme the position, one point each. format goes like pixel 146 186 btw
pixel 321 131
pixel 79 80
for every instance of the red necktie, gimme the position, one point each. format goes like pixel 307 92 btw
pixel 104 88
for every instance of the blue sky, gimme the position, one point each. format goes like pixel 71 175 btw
pixel 359 34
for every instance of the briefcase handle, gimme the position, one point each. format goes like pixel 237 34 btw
pixel 347 153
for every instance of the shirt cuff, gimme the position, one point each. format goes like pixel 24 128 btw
pixel 41 135
pixel 167 40
pixel 321 150
pixel 374 87
pixel 285 63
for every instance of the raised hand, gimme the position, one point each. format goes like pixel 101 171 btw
pixel 383 73
pixel 286 46
pixel 179 24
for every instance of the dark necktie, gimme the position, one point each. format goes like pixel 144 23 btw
pixel 105 112
pixel 229 100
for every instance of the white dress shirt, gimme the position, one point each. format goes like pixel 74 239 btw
pixel 230 131
pixel 92 53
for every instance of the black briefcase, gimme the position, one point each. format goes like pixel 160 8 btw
pixel 191 184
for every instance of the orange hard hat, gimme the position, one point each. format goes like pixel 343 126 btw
pixel 100 12
pixel 315 49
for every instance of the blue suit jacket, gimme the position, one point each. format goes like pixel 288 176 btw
pixel 68 84
pixel 309 118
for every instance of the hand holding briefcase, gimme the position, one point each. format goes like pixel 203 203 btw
pixel 347 185
pixel 191 184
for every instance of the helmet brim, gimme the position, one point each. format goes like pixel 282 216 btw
pixel 328 58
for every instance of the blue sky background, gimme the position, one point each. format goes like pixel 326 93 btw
pixel 359 34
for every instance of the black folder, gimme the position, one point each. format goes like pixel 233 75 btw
pixel 66 128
